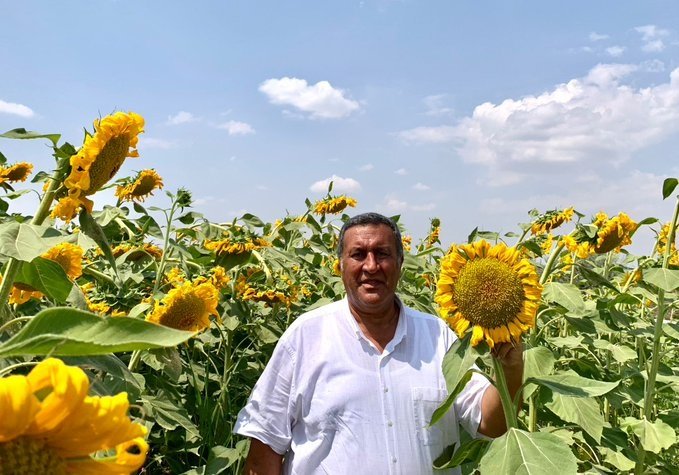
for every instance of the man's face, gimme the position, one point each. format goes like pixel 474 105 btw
pixel 370 268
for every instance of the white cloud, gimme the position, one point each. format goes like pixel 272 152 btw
pixel 421 187
pixel 367 167
pixel 594 36
pixel 392 204
pixel 15 109
pixel 401 171
pixel 182 117
pixel 320 101
pixel 435 105
pixel 615 51
pixel 595 118
pixel 653 66
pixel 339 184
pixel 150 142
pixel 439 134
pixel 651 35
pixel 236 128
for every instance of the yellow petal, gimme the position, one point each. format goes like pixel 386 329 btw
pixel 18 406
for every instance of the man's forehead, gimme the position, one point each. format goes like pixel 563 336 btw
pixel 369 234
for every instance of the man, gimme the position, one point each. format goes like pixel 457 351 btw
pixel 351 386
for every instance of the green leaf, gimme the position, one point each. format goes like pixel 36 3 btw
pixel 620 352
pixel 170 416
pixel 671 330
pixel 566 295
pixel 457 361
pixel 25 242
pixel 668 187
pixel 467 452
pixel 582 411
pixel 445 407
pixel 617 459
pixel 46 276
pixel 528 453
pixel 63 331
pixel 118 378
pixel 595 278
pixel 538 361
pixel 665 279
pixel 572 384
pixel 654 436
pixel 22 133
pixel 92 229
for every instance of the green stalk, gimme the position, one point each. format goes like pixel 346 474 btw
pixel 13 264
pixel 507 404
pixel 161 266
pixel 649 394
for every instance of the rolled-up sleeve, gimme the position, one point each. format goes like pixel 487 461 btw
pixel 468 404
pixel 267 414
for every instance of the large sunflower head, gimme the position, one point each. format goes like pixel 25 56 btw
pixel 17 172
pixel 491 289
pixel 69 257
pixel 551 220
pixel 333 205
pixel 187 307
pixel 141 187
pixel 49 424
pixel 115 138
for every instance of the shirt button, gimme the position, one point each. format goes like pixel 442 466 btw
pixel 386 390
pixel 390 423
pixel 393 460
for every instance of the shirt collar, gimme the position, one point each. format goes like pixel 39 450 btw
pixel 401 326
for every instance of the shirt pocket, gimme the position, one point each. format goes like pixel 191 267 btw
pixel 425 402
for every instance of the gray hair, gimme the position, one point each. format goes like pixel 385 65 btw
pixel 374 219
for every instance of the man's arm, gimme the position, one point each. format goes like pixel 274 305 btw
pixel 492 415
pixel 262 460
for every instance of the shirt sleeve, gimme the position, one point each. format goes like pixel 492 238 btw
pixel 468 404
pixel 267 414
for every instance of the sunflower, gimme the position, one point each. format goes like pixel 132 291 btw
pixel 333 205
pixel 229 246
pixel 17 172
pixel 489 288
pixel 187 307
pixel 613 233
pixel 407 243
pixel 139 251
pixel 663 237
pixel 582 250
pixel 141 188
pixel 50 425
pixel 551 220
pixel 69 257
pixel 115 138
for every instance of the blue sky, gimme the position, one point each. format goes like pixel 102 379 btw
pixel 473 112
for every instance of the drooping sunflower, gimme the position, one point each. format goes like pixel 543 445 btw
pixel 138 251
pixel 231 246
pixel 434 231
pixel 102 154
pixel 17 172
pixel 613 233
pixel 491 289
pixel 187 307
pixel 141 187
pixel 551 220
pixel 333 205
pixel 663 237
pixel 50 425
pixel 246 292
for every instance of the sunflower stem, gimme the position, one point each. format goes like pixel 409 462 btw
pixel 166 243
pixel 13 264
pixel 649 393
pixel 507 404
pixel 134 360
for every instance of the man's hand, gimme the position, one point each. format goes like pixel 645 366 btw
pixel 510 355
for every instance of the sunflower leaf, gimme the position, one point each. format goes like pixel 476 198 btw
pixel 572 384
pixel 566 295
pixel 534 453
pixel 666 279
pixel 583 411
pixel 465 453
pixel 63 331
pixel 25 242
pixel 668 187
pixel 46 276
pixel 22 133
pixel 91 228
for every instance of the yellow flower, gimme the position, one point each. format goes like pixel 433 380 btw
pixel 269 296
pixel 546 244
pixel 490 289
pixel 613 233
pixel 582 250
pixel 115 138
pixel 433 237
pixel 219 278
pixel 336 268
pixel 139 252
pixel 663 237
pixel 406 241
pixel 50 425
pixel 69 257
pixel 228 246
pixel 17 172
pixel 551 220
pixel 187 307
pixel 175 276
pixel 141 188
pixel 334 205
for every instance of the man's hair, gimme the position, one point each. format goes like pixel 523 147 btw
pixel 374 219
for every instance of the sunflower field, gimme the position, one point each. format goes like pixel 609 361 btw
pixel 131 336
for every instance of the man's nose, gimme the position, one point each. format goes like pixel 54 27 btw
pixel 370 263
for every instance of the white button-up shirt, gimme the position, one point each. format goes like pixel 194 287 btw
pixel 333 404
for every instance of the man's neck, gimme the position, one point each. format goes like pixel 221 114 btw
pixel 379 328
